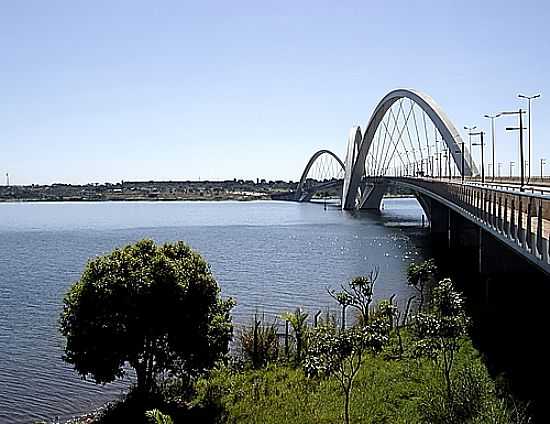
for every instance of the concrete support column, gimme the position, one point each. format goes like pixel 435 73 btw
pixel 439 222
pixel 375 195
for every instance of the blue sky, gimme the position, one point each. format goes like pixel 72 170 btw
pixel 131 90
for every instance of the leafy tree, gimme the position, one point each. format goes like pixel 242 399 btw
pixel 420 275
pixel 342 352
pixel 358 294
pixel 438 333
pixel 156 308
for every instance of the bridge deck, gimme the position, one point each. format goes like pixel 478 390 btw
pixel 520 219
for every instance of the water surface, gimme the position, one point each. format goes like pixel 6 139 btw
pixel 269 256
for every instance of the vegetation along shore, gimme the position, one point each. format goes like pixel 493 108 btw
pixel 158 310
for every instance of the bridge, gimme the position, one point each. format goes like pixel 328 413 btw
pixel 410 143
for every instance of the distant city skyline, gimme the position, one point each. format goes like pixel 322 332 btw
pixel 135 90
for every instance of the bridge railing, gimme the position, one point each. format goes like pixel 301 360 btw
pixel 522 218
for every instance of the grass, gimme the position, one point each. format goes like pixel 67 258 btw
pixel 386 391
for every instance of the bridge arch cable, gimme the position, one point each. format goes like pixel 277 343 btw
pixel 388 135
pixel 400 122
pixel 408 142
pixel 394 143
pixel 372 160
pixel 394 117
pixel 408 134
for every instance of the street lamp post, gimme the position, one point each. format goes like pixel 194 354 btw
pixel 529 98
pixel 542 162
pixel 470 129
pixel 449 164
pixel 480 144
pixel 462 154
pixel 437 155
pixel 492 118
pixel 520 128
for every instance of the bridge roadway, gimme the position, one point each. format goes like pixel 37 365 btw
pixel 304 195
pixel 518 219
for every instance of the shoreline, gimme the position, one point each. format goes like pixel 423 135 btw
pixel 243 198
pixel 238 198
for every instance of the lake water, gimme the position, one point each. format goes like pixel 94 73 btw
pixel 269 256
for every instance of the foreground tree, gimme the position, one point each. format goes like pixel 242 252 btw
pixel 343 352
pixel 420 275
pixel 156 308
pixel 440 331
pixel 358 294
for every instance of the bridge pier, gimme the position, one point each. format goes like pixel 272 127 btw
pixel 450 231
pixel 374 197
pixel 463 239
pixel 439 217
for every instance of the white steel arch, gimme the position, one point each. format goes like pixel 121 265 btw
pixel 310 163
pixel 355 160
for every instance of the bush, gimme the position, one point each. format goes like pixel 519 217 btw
pixel 300 330
pixel 259 343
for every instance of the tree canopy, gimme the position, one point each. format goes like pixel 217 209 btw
pixel 156 308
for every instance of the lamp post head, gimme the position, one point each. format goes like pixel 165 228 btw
pixel 513 112
pixel 477 133
pixel 536 96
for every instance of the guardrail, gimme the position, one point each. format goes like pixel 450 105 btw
pixel 521 218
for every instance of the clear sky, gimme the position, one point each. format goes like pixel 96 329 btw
pixel 107 90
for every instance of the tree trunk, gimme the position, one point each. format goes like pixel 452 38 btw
pixel 150 372
pixel 447 364
pixel 449 388
pixel 343 317
pixel 298 347
pixel 346 403
pixel 141 374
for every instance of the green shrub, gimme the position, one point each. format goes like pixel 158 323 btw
pixel 300 331
pixel 259 343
